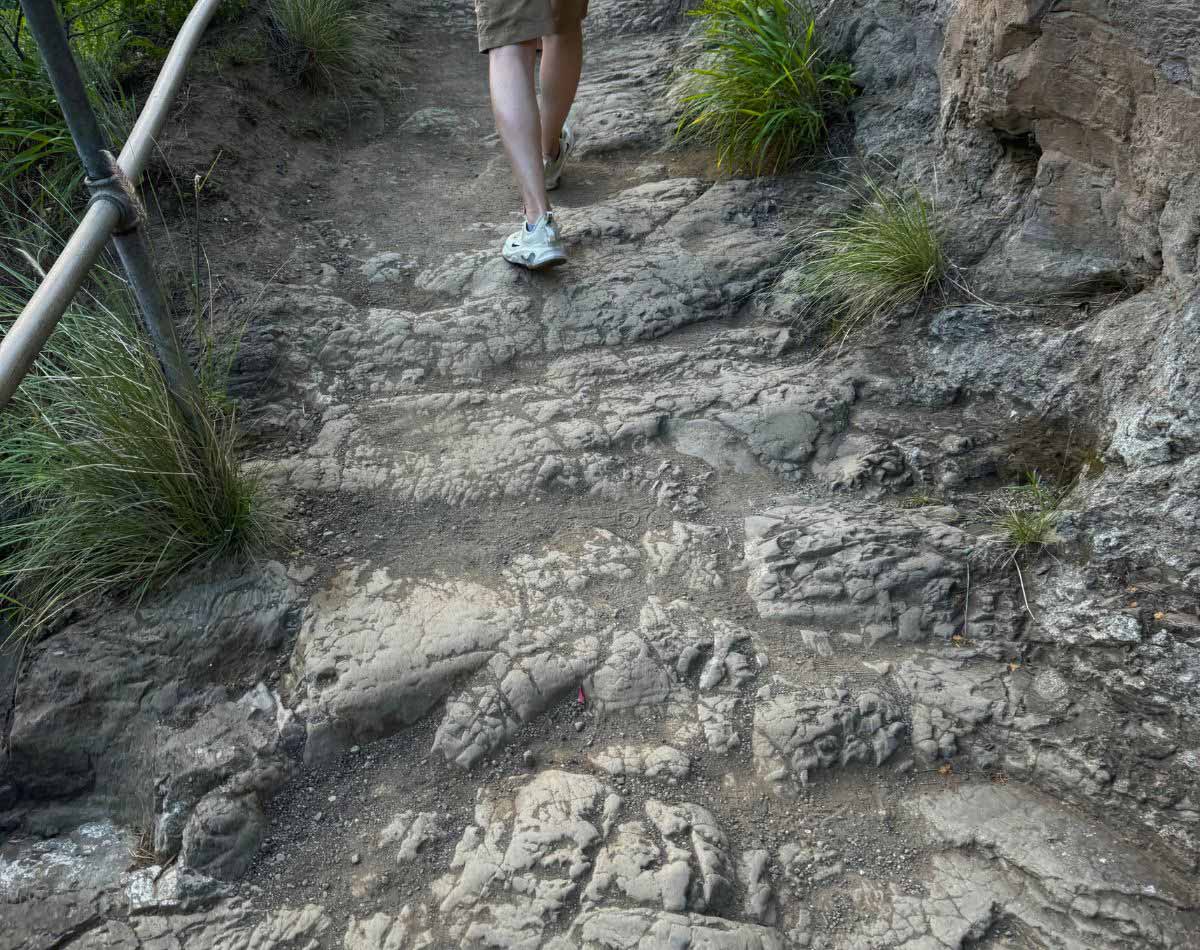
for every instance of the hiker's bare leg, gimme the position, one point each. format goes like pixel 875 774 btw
pixel 515 106
pixel 562 61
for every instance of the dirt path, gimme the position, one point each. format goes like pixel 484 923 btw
pixel 617 632
pixel 562 466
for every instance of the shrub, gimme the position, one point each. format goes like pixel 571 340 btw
pixel 103 485
pixel 883 254
pixel 39 161
pixel 765 87
pixel 315 39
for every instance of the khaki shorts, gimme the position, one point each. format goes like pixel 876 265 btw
pixel 505 22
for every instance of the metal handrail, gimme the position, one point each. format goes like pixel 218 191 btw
pixel 113 212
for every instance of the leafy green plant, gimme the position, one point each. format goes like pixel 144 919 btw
pixel 38 162
pixel 883 254
pixel 111 40
pixel 118 34
pixel 150 26
pixel 104 486
pixel 38 155
pixel 765 87
pixel 315 39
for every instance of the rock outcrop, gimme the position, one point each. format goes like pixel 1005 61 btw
pixel 623 615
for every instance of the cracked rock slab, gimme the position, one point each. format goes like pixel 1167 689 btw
pixel 519 864
pixel 866 573
pixel 377 653
pixel 650 761
pixel 797 735
pixel 684 866
pixel 409 832
pixel 1014 854
pixel 213 779
pixel 753 873
pixel 950 700
pixel 685 554
pixel 648 930
pixel 232 925
pixel 87 702
pixel 384 932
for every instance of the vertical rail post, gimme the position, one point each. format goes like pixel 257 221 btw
pixel 108 182
pixel 41 16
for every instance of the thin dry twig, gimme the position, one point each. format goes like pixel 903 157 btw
pixel 961 285
pixel 1024 596
pixel 967 600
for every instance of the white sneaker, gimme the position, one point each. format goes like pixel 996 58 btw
pixel 536 248
pixel 554 166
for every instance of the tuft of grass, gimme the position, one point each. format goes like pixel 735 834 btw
pixel 315 39
pixel 883 254
pixel 104 487
pixel 765 87
pixel 237 51
pixel 919 499
pixel 1028 522
pixel 1034 491
pixel 1024 531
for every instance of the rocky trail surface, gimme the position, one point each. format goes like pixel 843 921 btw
pixel 618 616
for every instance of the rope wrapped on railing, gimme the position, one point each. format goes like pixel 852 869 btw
pixel 118 188
pixel 114 211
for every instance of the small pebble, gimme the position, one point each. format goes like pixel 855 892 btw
pixel 355 858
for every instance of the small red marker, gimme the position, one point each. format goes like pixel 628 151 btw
pixel 582 698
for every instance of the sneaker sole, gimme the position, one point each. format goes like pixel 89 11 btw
pixel 534 263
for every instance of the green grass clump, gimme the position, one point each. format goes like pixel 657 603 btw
pixel 104 487
pixel 766 86
pixel 883 254
pixel 1027 530
pixel 1029 520
pixel 315 39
